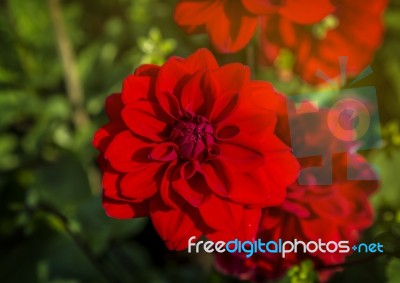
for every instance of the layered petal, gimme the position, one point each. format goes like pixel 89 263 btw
pixel 143 118
pixel 199 93
pixel 262 7
pixel 241 150
pixel 202 59
pixel 170 78
pixel 188 184
pixel 126 153
pixel 338 30
pixel 310 11
pixel 142 184
pixel 229 24
pixel 232 29
pixel 255 188
pixel 123 210
pixel 114 106
pixel 173 225
pixel 191 14
pixel 229 214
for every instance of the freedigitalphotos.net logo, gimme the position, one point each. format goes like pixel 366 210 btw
pixel 348 111
pixel 249 248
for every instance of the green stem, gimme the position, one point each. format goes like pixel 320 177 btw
pixel 77 239
pixel 73 83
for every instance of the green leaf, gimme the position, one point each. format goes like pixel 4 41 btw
pixel 46 256
pixel 8 159
pixel 387 163
pixel 99 229
pixel 15 105
pixel 62 183
pixel 392 271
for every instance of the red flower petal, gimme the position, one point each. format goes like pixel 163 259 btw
pixel 173 225
pixel 255 188
pixel 214 175
pixel 127 153
pixel 110 186
pixel 103 136
pixel 261 7
pixel 141 184
pixel 233 80
pixel 271 218
pixel 136 88
pixel 144 119
pixel 164 152
pixel 306 11
pixel 169 196
pixel 114 106
pixel 281 166
pixel 250 222
pixel 188 189
pixel 264 95
pixel 241 151
pixel 220 214
pixel 313 230
pixel 198 94
pixel 201 59
pixel 246 230
pixel 190 14
pixel 168 83
pixel 147 70
pixel 232 27
pixel 258 124
pixel 121 210
pixel 141 85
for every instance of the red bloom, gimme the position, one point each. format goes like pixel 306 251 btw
pixel 231 23
pixel 354 29
pixel 298 11
pixel 192 145
pixel 334 212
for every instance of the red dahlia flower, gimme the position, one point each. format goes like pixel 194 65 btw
pixel 192 145
pixel 336 212
pixel 231 23
pixel 353 29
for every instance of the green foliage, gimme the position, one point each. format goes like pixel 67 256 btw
pixel 387 163
pixel 303 273
pixel 155 48
pixel 392 271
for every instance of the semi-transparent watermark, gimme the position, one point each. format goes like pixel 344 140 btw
pixel 350 114
pixel 249 248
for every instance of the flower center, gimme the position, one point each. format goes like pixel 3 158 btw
pixel 194 136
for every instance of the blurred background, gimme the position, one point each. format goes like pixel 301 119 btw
pixel 59 60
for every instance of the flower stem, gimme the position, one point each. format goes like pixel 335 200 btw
pixel 80 243
pixel 73 84
pixel 250 58
pixel 72 80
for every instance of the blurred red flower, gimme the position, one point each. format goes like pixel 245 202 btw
pixel 192 145
pixel 353 29
pixel 231 23
pixel 310 212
